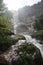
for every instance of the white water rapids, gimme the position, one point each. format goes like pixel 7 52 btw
pixel 34 42
pixel 31 40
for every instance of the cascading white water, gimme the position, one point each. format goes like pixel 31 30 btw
pixel 35 43
pixel 32 41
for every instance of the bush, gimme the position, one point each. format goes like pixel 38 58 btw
pixel 38 35
pixel 7 41
pixel 38 25
pixel 18 37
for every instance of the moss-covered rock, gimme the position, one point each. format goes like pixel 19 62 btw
pixel 7 41
pixel 25 54
pixel 28 55
pixel 18 37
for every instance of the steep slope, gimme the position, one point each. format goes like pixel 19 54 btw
pixel 26 16
pixel 28 12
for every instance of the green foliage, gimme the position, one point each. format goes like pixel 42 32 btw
pixel 39 23
pixel 5 39
pixel 29 55
pixel 5 27
pixel 27 48
pixel 6 42
pixel 38 35
pixel 2 8
pixel 19 37
pixel 39 32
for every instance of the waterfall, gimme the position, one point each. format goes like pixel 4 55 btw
pixel 31 40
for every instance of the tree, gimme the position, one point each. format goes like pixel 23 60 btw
pixel 39 23
pixel 5 27
pixel 5 18
pixel 2 8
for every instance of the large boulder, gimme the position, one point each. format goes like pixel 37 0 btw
pixel 29 55
pixel 24 54
pixel 3 60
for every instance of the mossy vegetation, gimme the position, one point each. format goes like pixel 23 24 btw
pixel 7 41
pixel 6 28
pixel 18 37
pixel 29 55
pixel 38 35
pixel 39 23
pixel 38 26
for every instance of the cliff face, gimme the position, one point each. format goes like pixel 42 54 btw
pixel 30 12
pixel 27 15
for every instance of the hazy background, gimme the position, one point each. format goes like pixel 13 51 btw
pixel 16 4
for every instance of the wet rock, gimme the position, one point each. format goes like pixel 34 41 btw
pixel 10 55
pixel 24 54
pixel 15 61
pixel 29 55
pixel 3 60
pixel 21 42
pixel 22 28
